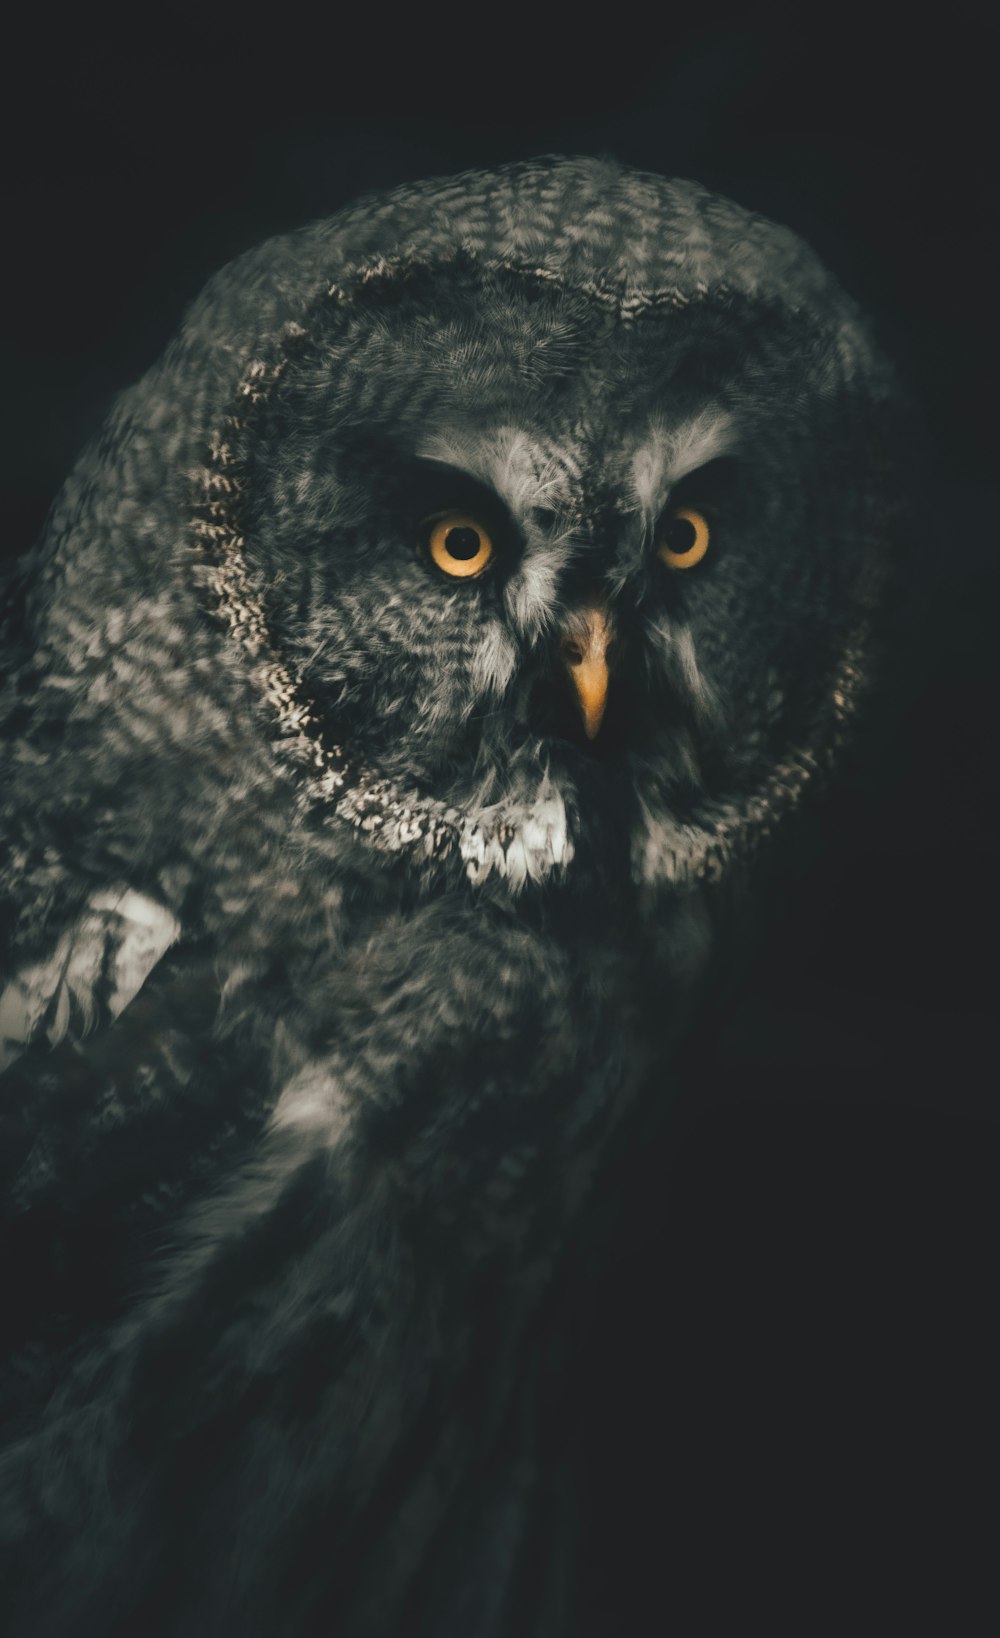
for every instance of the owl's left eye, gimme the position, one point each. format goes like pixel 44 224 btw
pixel 683 539
pixel 459 545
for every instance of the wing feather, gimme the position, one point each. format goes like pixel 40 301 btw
pixel 94 971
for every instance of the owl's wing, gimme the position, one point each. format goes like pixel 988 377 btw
pixel 117 1105
pixel 94 970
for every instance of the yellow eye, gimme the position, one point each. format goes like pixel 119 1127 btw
pixel 684 539
pixel 459 545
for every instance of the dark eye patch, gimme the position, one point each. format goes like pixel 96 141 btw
pixel 425 488
pixel 721 489
pixel 410 491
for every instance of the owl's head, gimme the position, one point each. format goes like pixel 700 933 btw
pixel 558 511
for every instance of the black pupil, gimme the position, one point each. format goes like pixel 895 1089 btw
pixel 680 536
pixel 462 543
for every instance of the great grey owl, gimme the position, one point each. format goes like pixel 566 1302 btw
pixel 395 708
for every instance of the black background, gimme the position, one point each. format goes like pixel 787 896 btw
pixel 789 1377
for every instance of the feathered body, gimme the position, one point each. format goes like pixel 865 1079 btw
pixel 334 956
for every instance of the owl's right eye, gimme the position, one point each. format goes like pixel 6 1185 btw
pixel 459 545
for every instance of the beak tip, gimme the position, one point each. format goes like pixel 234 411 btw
pixel 585 652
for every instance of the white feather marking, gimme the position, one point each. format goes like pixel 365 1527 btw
pixel 494 661
pixel 518 841
pixel 531 594
pixel 670 453
pixel 312 1102
pixel 520 469
pixel 148 931
pixel 702 695
pixel 51 996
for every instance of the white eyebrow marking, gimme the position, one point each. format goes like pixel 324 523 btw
pixel 670 453
pixel 530 597
pixel 523 472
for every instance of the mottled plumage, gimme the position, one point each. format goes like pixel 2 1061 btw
pixel 337 949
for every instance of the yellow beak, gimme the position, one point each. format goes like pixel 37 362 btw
pixel 584 651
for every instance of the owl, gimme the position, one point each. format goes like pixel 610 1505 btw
pixel 404 712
